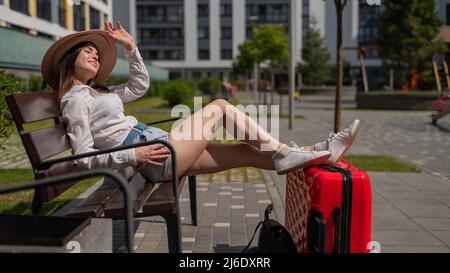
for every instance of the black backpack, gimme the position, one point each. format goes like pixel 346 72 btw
pixel 273 237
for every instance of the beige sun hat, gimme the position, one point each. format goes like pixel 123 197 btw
pixel 106 48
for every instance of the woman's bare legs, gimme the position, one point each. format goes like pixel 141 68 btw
pixel 217 157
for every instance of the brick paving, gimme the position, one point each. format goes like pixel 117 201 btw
pixel 228 213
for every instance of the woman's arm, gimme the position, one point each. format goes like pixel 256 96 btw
pixel 76 115
pixel 139 79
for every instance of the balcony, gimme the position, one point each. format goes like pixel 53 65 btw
pixel 269 18
pixel 162 41
pixel 150 19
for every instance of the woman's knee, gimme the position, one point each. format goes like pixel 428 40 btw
pixel 220 102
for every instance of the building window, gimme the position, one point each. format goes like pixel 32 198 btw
pixel 448 13
pixel 20 6
pixel 226 33
pixel 172 55
pixel 197 75
pixel 203 33
pixel 225 10
pixel 368 32
pixel 79 17
pixel 94 18
pixel 44 9
pixel 105 18
pixel 203 54
pixel 226 54
pixel 62 13
pixel 203 10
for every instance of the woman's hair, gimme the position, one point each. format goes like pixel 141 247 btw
pixel 66 68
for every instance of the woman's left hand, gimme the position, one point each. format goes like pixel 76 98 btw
pixel 120 35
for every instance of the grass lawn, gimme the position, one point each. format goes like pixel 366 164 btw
pixel 20 203
pixel 381 163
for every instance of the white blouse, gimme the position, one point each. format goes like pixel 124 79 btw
pixel 97 121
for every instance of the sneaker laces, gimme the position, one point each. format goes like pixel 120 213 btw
pixel 294 146
pixel 340 135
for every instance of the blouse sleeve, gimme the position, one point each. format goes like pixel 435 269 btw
pixel 76 111
pixel 139 81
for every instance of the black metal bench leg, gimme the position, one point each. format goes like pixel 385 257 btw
pixel 193 198
pixel 36 205
pixel 173 232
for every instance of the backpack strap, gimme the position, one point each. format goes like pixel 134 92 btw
pixel 268 211
pixel 253 237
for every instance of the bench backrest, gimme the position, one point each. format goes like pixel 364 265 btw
pixel 43 143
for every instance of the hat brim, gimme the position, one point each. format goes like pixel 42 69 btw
pixel 105 45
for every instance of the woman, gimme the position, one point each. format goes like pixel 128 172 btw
pixel 94 117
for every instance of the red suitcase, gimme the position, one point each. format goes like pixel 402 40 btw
pixel 329 209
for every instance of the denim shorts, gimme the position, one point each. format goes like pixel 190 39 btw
pixel 141 133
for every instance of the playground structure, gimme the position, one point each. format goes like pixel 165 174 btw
pixel 440 107
pixel 362 65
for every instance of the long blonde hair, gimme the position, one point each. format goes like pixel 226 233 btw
pixel 66 68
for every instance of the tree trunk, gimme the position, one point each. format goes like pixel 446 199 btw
pixel 272 85
pixel 247 82
pixel 339 67
pixel 255 83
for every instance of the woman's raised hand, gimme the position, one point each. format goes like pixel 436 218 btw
pixel 149 154
pixel 120 35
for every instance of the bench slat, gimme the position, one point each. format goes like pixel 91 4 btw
pixel 94 204
pixel 161 201
pixel 45 143
pixel 141 189
pixel 31 107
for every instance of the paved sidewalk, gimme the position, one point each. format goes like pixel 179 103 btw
pixel 228 213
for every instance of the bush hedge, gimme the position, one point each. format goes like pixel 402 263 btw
pixel 178 92
pixel 9 84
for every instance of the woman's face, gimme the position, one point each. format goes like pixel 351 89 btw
pixel 87 64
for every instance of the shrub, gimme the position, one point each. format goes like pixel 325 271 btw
pixel 35 84
pixel 209 86
pixel 9 83
pixel 178 92
pixel 156 89
pixel 114 81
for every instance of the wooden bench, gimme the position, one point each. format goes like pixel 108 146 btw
pixel 151 199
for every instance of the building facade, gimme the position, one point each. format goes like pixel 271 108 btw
pixel 54 18
pixel 29 27
pixel 196 38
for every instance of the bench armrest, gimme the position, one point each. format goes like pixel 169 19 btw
pixel 47 164
pixel 52 181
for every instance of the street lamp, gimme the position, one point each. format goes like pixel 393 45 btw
pixel 253 19
pixel 293 32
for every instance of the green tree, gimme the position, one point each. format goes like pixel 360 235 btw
pixel 9 84
pixel 406 41
pixel 179 92
pixel 209 86
pixel 315 68
pixel 247 58
pixel 273 45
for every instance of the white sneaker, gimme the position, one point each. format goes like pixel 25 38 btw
pixel 339 143
pixel 298 158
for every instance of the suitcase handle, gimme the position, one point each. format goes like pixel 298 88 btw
pixel 337 229
pixel 344 243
